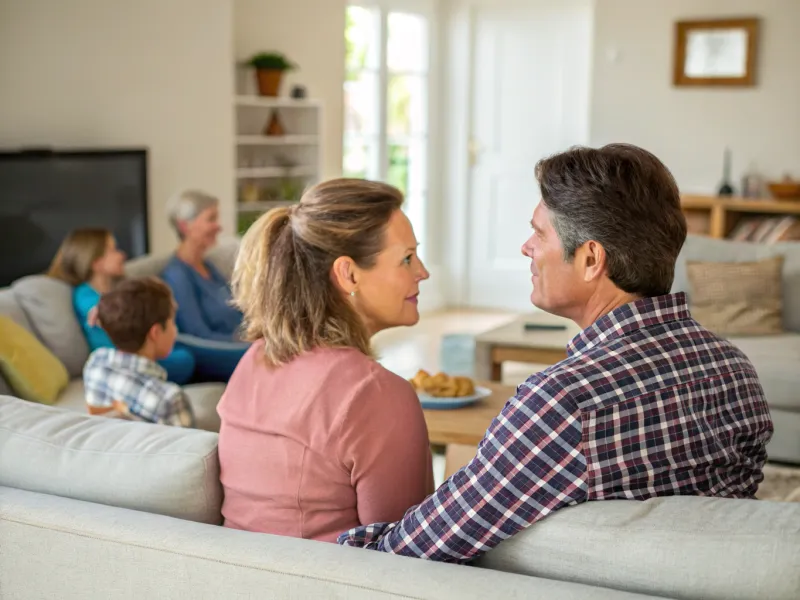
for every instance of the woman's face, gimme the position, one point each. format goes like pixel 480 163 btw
pixel 386 294
pixel 112 263
pixel 204 228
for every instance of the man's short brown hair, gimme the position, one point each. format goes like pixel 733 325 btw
pixel 624 198
pixel 129 311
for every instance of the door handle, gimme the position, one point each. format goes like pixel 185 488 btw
pixel 474 149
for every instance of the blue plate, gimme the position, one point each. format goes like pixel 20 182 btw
pixel 434 403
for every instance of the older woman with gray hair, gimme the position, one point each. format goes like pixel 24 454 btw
pixel 205 313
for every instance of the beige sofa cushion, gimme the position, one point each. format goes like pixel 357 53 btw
pixel 738 298
pixel 677 547
pixel 154 468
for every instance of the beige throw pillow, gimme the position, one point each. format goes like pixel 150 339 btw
pixel 738 298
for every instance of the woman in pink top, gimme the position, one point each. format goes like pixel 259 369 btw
pixel 316 436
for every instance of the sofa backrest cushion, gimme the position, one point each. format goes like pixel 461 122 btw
pixel 9 307
pixel 47 303
pixel 705 249
pixel 222 256
pixel 676 547
pixel 141 466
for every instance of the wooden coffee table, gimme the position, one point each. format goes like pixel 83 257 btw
pixel 512 342
pixel 467 425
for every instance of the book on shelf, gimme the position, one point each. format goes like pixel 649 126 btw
pixel 766 230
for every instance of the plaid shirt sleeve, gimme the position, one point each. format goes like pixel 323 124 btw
pixel 528 465
pixel 174 410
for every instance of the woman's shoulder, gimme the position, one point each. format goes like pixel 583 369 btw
pixel 365 375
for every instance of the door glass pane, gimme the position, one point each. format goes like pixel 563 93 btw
pixel 362 38
pixel 407 45
pixel 360 157
pixel 407 101
pixel 407 166
pixel 361 104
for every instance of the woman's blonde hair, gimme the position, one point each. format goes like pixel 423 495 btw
pixel 282 281
pixel 74 259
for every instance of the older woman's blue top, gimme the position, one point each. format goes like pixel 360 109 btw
pixel 204 308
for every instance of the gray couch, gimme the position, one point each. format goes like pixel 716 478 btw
pixel 43 306
pixel 776 357
pixel 101 508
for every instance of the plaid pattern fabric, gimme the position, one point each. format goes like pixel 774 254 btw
pixel 647 403
pixel 140 383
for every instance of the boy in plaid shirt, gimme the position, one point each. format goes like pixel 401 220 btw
pixel 139 317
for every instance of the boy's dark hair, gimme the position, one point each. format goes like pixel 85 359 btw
pixel 129 311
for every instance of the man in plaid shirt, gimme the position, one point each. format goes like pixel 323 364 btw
pixel 647 403
pixel 139 317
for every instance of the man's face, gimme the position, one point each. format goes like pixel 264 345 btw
pixel 558 285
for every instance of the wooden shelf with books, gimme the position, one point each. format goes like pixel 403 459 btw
pixel 743 219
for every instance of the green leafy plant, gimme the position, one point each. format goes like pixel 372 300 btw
pixel 271 61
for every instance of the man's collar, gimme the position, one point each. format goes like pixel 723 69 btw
pixel 630 317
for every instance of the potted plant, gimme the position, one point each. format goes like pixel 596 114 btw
pixel 270 67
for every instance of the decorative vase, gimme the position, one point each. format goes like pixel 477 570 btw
pixel 274 126
pixel 726 189
pixel 269 81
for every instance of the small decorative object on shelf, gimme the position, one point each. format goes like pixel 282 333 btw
pixel 270 67
pixel 726 189
pixel 299 92
pixel 274 126
pixel 249 192
pixel 787 189
pixel 752 183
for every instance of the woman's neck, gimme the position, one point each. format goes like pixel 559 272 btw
pixel 101 283
pixel 191 254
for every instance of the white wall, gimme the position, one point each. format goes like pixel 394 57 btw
pixel 633 100
pixel 311 34
pixel 154 73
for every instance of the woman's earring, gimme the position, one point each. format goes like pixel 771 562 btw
pixel 353 293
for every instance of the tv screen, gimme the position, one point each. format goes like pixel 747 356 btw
pixel 46 194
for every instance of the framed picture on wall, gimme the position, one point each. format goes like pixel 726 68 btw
pixel 720 52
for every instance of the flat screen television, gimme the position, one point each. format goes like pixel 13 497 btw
pixel 45 194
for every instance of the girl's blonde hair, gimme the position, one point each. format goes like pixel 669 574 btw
pixel 282 280
pixel 74 259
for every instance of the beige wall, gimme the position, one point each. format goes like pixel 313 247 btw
pixel 311 34
pixel 154 73
pixel 633 99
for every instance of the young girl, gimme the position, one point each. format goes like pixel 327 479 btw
pixel 89 260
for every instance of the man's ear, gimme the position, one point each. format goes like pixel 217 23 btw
pixel 593 260
pixel 345 274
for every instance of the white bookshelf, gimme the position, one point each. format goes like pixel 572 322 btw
pixel 273 170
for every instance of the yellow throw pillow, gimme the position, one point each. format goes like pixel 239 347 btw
pixel 738 298
pixel 32 371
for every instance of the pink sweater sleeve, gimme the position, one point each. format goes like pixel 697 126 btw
pixel 384 443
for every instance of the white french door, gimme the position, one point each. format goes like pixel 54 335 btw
pixel 530 77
